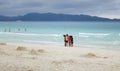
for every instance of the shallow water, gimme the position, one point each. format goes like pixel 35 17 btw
pixel 86 34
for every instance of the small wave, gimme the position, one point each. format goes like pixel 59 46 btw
pixel 32 41
pixel 83 36
pixel 10 33
pixel 92 34
pixel 29 34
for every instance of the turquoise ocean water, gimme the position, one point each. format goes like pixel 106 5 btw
pixel 86 34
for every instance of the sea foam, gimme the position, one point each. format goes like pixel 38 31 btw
pixel 93 34
pixel 29 34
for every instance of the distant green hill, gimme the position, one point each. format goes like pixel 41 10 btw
pixel 54 17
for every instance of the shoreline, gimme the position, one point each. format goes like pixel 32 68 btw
pixel 37 57
pixel 62 45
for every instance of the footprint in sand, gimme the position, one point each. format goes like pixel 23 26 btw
pixel 2 43
pixel 3 53
pixel 41 51
pixel 63 62
pixel 36 52
pixel 29 70
pixel 33 52
pixel 90 55
pixel 21 48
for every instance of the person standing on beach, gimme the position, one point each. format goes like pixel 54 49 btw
pixel 71 41
pixel 66 39
pixel 25 29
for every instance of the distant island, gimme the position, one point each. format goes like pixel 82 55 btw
pixel 54 17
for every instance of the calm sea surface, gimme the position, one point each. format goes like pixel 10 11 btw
pixel 86 34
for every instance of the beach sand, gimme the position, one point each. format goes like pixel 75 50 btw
pixel 38 57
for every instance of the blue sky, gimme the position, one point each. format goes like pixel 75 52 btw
pixel 101 8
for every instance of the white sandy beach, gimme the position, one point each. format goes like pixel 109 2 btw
pixel 36 57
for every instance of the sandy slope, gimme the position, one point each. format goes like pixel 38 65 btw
pixel 35 57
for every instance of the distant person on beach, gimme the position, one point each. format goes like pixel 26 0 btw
pixel 9 30
pixel 25 29
pixel 18 29
pixel 66 39
pixel 71 41
pixel 5 30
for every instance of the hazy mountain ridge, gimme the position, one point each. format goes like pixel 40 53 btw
pixel 54 17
